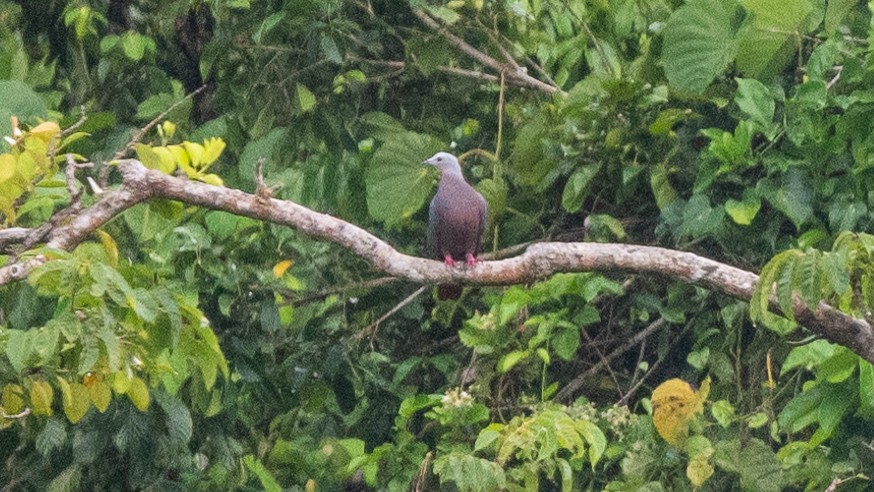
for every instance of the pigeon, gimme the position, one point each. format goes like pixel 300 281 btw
pixel 457 218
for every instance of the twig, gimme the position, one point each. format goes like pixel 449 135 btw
pixel 318 296
pixel 605 363
pixel 82 119
pixel 838 70
pixel 141 133
pixel 565 393
pixel 373 327
pixel 514 72
pixel 103 175
pixel 633 389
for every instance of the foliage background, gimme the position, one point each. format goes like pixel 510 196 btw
pixel 170 354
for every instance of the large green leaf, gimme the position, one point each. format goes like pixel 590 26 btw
pixel 700 42
pixel 753 460
pixel 772 42
pixel 397 182
pixel 791 194
pixel 469 473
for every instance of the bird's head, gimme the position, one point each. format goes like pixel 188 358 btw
pixel 445 162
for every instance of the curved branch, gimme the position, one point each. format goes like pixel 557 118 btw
pixel 540 260
pixel 511 69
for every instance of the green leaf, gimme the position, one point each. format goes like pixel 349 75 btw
pixel 52 437
pixel 381 125
pixel 19 347
pixel 756 101
pixel 699 218
pixel 566 341
pixel 41 396
pixel 723 412
pixel 134 45
pixel 397 182
pixel 12 399
pixel 267 481
pixel 596 439
pixel 664 192
pixel 76 400
pixel 766 49
pixel 155 105
pixel 101 395
pixel 745 211
pixel 469 473
pixel 577 187
pixel 866 387
pixel 138 393
pixel 700 42
pixel 791 194
pixel 754 461
pixel 306 100
pixel 510 359
pixel 836 11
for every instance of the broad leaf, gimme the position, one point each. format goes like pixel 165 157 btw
pixel 700 42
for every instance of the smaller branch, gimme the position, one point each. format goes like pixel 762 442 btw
pixel 565 393
pixel 73 187
pixel 19 415
pixel 322 294
pixel 633 389
pixel 831 83
pixel 82 119
pixel 144 130
pixel 371 329
pixel 514 72
pixel 462 72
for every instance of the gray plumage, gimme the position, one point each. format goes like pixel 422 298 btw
pixel 457 218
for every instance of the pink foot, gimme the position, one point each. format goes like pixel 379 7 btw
pixel 471 260
pixel 448 261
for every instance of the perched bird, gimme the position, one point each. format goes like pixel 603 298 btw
pixel 457 218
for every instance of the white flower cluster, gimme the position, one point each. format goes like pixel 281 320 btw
pixel 457 398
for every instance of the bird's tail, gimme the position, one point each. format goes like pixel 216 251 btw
pixel 448 291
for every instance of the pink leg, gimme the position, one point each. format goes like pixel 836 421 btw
pixel 448 261
pixel 471 260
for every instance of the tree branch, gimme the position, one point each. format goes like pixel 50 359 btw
pixel 513 72
pixel 540 260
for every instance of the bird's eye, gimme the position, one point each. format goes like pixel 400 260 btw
pixel 439 159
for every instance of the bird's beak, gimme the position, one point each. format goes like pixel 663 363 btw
pixel 426 161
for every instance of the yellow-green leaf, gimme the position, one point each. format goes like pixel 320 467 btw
pixel 167 158
pixel 109 246
pixel 139 393
pixel 13 398
pixel 699 468
pixel 305 98
pixel 100 395
pixel 120 382
pixel 180 155
pixel 76 399
pixel 7 166
pixel 152 158
pixel 41 396
pixel 195 153
pixel 213 148
pixel 168 128
pixel 46 130
pixel 211 179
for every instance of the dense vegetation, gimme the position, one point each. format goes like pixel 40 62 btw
pixel 187 349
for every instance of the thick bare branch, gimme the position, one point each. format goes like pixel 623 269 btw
pixel 540 260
